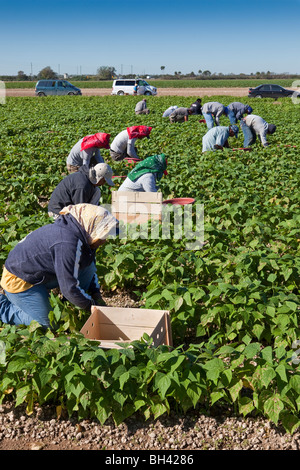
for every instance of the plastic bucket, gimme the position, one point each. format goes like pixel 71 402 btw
pixel 181 201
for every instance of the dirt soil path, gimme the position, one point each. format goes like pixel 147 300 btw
pixel 161 92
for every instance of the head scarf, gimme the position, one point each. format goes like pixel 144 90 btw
pixel 138 132
pixel 155 164
pixel 101 139
pixel 97 222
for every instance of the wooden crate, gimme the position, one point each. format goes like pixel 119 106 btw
pixel 110 325
pixel 136 207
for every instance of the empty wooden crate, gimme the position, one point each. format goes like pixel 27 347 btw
pixel 136 207
pixel 111 325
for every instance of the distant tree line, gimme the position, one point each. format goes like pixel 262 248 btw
pixel 105 72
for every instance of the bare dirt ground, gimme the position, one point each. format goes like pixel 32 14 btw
pixel 161 92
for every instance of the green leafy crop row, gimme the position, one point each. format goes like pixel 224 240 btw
pixel 79 377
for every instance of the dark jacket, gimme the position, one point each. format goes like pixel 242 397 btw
pixel 238 109
pixel 75 188
pixel 55 251
pixel 196 107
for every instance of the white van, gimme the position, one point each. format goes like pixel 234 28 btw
pixel 125 86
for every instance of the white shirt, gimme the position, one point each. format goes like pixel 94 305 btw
pixel 146 182
pixel 169 111
pixel 122 143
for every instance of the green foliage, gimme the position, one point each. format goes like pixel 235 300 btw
pixel 78 376
pixel 234 304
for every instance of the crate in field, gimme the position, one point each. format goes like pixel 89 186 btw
pixel 111 325
pixel 136 207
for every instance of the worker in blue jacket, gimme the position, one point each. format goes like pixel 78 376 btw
pixel 236 111
pixel 61 254
pixel 216 138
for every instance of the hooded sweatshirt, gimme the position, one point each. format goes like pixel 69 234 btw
pixel 74 189
pixel 55 251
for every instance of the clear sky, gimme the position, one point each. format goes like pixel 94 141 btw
pixel 139 37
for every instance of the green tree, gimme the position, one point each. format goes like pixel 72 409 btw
pixel 22 75
pixel 106 73
pixel 47 73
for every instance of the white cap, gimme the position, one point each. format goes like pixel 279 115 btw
pixel 101 170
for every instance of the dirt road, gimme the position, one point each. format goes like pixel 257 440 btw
pixel 161 92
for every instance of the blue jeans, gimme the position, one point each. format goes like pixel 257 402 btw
pixel 249 135
pixel 209 120
pixel 231 116
pixel 33 304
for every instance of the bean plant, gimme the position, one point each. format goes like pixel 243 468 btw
pixel 234 301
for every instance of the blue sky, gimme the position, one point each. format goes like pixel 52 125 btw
pixel 141 36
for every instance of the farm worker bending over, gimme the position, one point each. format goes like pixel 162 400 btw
pixel 123 144
pixel 217 137
pixel 145 174
pixel 169 111
pixel 212 111
pixel 86 151
pixel 61 255
pixel 180 115
pixel 141 107
pixel 253 126
pixel 81 186
pixel 196 106
pixel 236 111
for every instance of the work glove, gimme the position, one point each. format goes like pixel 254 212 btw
pixel 97 298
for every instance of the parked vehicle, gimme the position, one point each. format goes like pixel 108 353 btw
pixel 125 86
pixel 55 87
pixel 269 91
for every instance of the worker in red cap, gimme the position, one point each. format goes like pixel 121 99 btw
pixel 123 144
pixel 87 151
